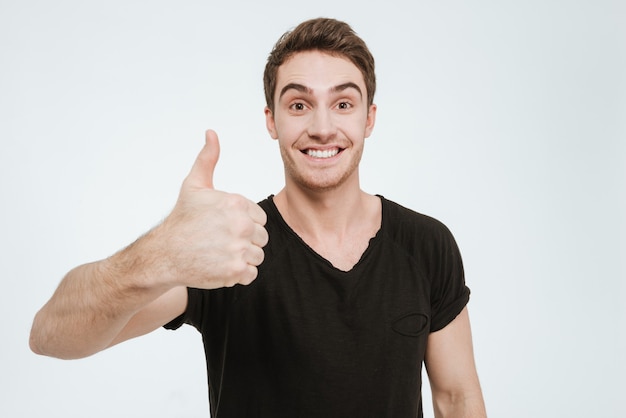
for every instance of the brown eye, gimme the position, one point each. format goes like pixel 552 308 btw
pixel 297 106
pixel 344 105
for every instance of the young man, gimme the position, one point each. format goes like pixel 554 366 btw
pixel 321 301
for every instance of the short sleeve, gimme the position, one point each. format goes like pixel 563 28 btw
pixel 449 293
pixel 193 313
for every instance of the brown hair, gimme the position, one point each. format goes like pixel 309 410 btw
pixel 327 35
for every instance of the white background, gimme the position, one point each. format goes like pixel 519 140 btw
pixel 504 119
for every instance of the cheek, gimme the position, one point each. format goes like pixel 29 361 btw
pixel 357 128
pixel 289 128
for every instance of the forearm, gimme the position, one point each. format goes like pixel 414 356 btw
pixel 466 405
pixel 449 360
pixel 94 302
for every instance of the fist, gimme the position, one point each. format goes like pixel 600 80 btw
pixel 214 239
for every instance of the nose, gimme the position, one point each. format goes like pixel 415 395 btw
pixel 322 125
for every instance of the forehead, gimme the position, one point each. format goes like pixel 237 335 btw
pixel 319 71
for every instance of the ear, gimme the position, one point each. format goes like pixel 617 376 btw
pixel 270 123
pixel 371 120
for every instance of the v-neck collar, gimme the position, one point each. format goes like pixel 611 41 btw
pixel 371 244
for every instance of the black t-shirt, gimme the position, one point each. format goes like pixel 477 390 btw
pixel 308 340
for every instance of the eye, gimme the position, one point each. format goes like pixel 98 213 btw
pixel 344 105
pixel 298 106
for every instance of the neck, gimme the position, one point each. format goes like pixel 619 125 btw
pixel 338 224
pixel 320 214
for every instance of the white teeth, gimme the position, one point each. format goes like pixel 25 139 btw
pixel 322 154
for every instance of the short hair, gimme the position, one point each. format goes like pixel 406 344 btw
pixel 326 35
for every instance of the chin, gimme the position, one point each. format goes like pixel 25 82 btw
pixel 318 184
pixel 321 180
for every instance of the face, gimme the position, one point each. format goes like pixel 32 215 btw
pixel 320 119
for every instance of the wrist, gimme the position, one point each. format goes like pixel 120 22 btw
pixel 143 265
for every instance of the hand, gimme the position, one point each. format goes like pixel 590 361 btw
pixel 214 239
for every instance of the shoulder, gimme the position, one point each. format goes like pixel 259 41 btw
pixel 403 223
pixel 280 235
pixel 274 219
pixel 266 203
pixel 421 236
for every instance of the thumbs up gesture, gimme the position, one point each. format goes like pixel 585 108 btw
pixel 201 175
pixel 212 239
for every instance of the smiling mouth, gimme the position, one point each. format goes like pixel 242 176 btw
pixel 322 154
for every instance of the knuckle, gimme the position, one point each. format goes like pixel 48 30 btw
pixel 261 257
pixel 250 276
pixel 238 268
pixel 265 237
pixel 237 201
pixel 260 214
pixel 258 256
pixel 230 283
pixel 246 228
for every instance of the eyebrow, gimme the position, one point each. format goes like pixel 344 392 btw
pixel 304 89
pixel 345 86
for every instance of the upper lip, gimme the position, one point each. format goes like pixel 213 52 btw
pixel 322 148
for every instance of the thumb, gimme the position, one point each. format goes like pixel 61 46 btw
pixel 201 174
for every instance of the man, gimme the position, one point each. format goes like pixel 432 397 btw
pixel 321 301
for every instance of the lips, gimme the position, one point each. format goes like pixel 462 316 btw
pixel 322 154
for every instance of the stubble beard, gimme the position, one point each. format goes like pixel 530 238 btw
pixel 319 180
